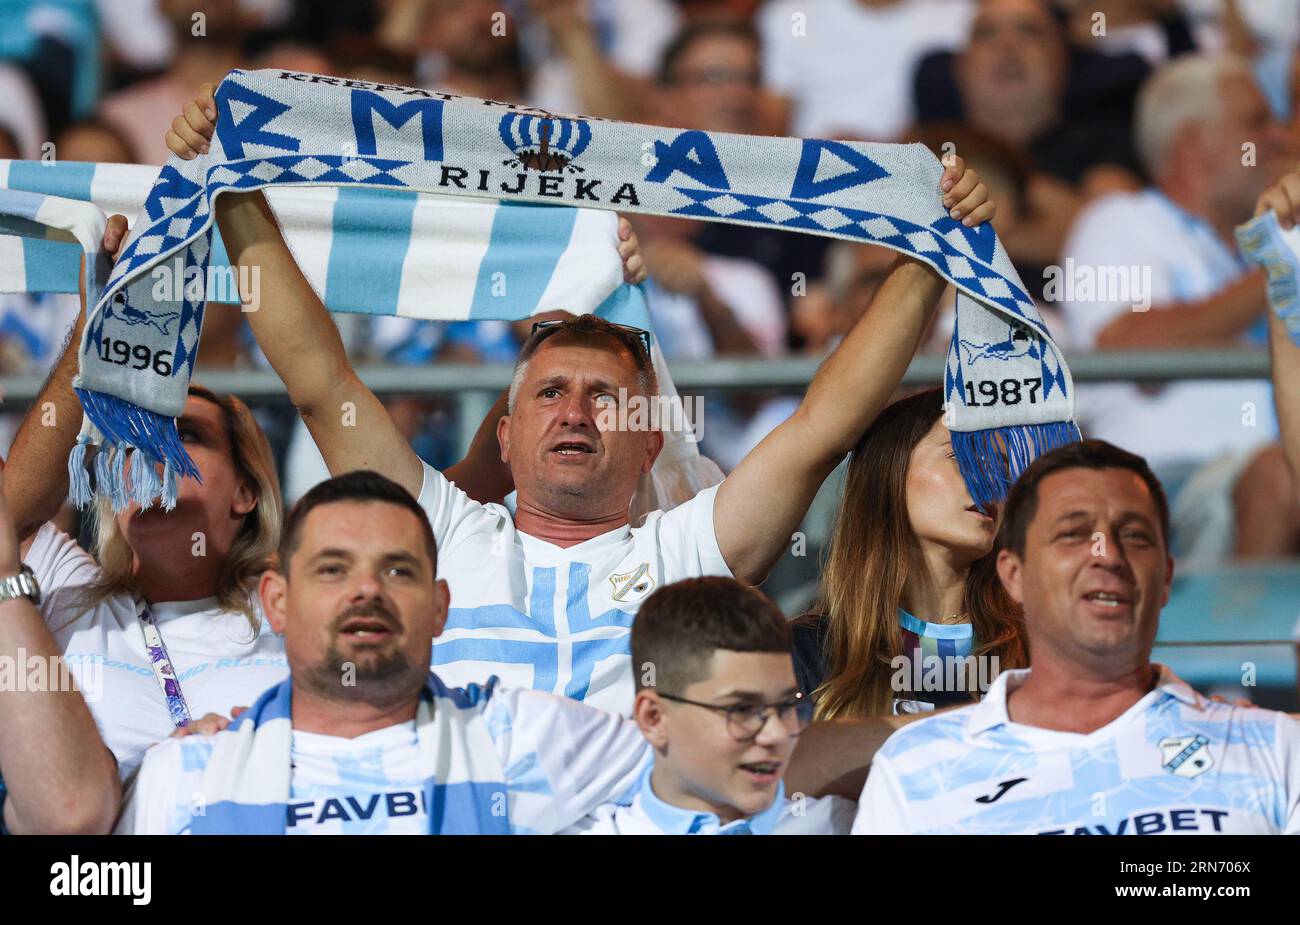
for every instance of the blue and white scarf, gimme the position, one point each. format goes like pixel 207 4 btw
pixel 1266 244
pixel 43 240
pixel 246 784
pixel 1010 391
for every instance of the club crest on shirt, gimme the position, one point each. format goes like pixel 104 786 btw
pixel 1186 756
pixel 634 585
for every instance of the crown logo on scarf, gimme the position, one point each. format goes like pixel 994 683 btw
pixel 544 142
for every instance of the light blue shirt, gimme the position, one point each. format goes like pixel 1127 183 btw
pixel 648 814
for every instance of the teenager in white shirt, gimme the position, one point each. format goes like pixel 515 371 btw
pixel 545 597
pixel 718 701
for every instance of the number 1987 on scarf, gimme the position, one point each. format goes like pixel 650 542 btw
pixel 1008 391
pixel 112 350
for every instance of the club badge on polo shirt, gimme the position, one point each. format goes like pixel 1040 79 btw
pixel 1186 756
pixel 631 587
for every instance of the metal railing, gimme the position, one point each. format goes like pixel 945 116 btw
pixel 476 386
pixel 693 375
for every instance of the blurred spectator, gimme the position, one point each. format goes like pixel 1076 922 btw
pixel 1168 254
pixel 621 41
pixel 95 142
pixel 1012 84
pixel 58 43
pixel 1154 29
pixel 138 34
pixel 847 65
pixel 703 305
pixel 21 118
pixel 710 79
pixel 459 51
pixel 1267 32
pixel 1012 79
pixel 853 274
pixel 144 111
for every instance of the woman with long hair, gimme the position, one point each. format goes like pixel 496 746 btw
pixel 162 625
pixel 909 588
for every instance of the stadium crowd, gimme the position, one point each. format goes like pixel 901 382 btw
pixel 959 668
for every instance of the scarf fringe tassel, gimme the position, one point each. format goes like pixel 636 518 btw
pixel 148 437
pixel 991 460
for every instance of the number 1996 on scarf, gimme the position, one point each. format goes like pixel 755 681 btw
pixel 112 350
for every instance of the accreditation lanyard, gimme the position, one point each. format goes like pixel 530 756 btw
pixel 162 666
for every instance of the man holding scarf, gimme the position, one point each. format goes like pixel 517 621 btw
pixel 546 596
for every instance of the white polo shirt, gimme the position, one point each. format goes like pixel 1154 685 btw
pixel 553 619
pixel 1173 763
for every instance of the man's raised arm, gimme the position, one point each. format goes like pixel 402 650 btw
pixel 1284 199
pixel 351 427
pixel 762 501
pixel 37 481
pixel 60 777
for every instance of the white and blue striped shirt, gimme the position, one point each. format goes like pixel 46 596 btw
pixel 557 761
pixel 1173 763
pixel 551 618
pixel 649 815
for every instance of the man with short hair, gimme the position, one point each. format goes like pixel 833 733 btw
pixel 362 738
pixel 545 596
pixel 718 701
pixel 1092 738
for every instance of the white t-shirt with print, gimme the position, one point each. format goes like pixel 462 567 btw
pixel 370 785
pixel 550 618
pixel 219 660
pixel 557 761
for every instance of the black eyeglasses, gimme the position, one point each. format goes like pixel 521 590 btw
pixel 550 327
pixel 746 720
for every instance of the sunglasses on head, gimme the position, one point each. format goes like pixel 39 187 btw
pixel 550 327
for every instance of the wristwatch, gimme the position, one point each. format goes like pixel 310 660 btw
pixel 21 585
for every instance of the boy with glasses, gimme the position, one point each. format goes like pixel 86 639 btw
pixel 718 702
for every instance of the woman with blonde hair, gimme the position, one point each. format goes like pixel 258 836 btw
pixel 909 590
pixel 162 624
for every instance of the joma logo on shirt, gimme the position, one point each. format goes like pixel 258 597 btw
pixel 356 809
